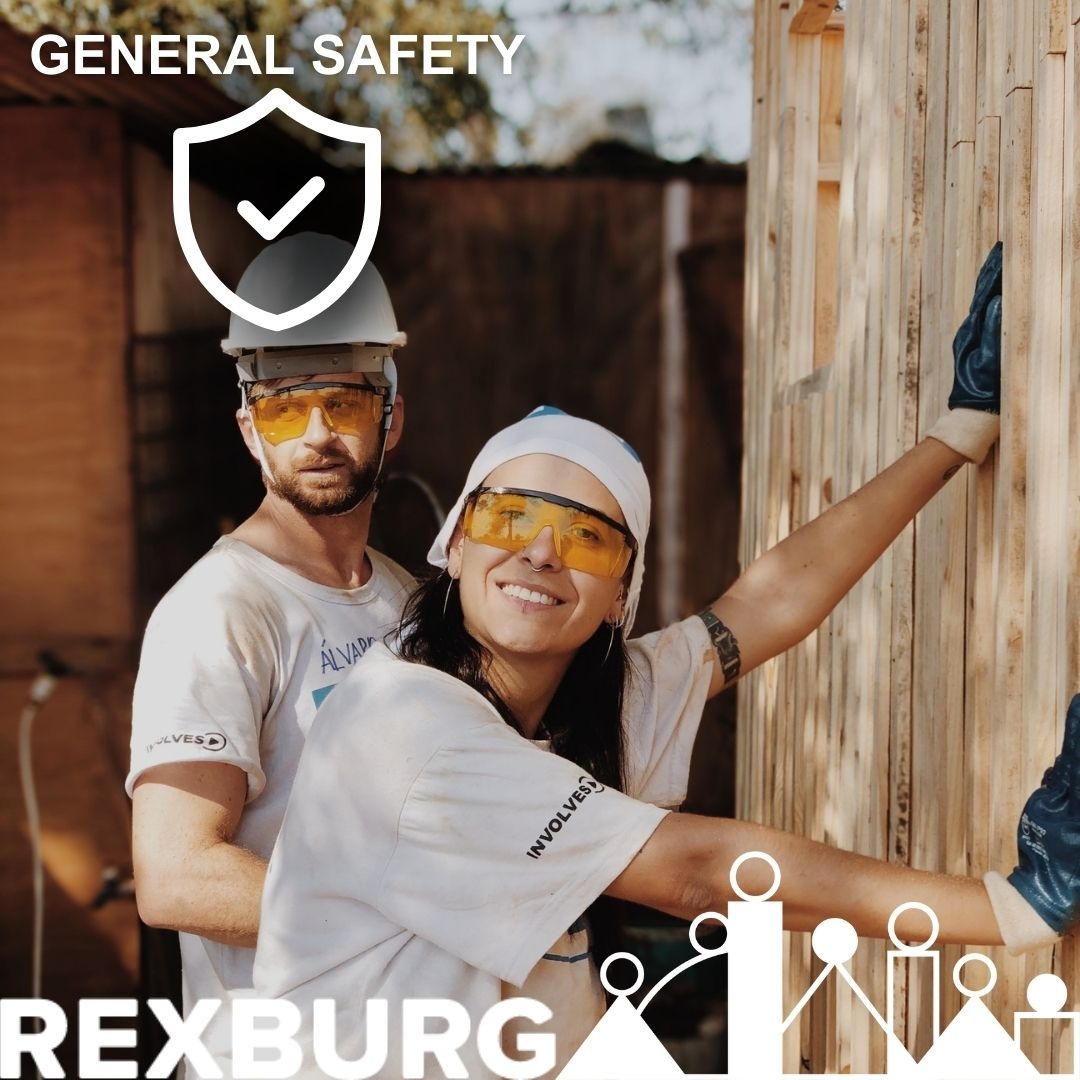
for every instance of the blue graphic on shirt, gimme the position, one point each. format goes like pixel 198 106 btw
pixel 338 658
pixel 319 696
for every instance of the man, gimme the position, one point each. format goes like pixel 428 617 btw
pixel 240 653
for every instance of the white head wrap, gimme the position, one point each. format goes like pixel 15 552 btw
pixel 612 461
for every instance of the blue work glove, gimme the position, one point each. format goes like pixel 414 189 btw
pixel 972 424
pixel 977 344
pixel 1048 839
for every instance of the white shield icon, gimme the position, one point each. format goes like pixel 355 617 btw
pixel 369 138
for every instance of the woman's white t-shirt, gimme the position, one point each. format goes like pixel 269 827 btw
pixel 429 851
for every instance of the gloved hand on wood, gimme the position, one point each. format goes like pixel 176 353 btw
pixel 972 424
pixel 1040 901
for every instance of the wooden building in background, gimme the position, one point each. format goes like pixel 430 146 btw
pixel 894 142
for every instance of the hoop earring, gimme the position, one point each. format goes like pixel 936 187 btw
pixel 449 586
pixel 611 641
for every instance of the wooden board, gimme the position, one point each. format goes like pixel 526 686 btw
pixel 812 16
pixel 942 679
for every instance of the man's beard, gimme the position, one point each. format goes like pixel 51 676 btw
pixel 342 493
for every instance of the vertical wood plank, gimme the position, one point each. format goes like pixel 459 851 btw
pixel 936 583
pixel 826 267
pixel 1006 742
pixel 1054 27
pixel 909 74
pixel 979 673
pixel 1068 955
pixel 1020 54
pixel 804 89
pixel 1045 585
pixel 994 19
pixel 963 65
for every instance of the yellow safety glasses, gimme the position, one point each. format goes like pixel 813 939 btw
pixel 585 539
pixel 347 409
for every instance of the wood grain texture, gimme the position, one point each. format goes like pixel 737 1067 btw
pixel 812 16
pixel 932 698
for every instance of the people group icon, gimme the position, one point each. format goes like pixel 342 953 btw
pixel 622 1046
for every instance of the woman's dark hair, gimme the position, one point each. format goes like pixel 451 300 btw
pixel 584 719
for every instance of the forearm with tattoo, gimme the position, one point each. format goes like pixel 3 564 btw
pixel 726 645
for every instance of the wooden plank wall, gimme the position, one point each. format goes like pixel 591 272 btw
pixel 63 283
pixel 913 725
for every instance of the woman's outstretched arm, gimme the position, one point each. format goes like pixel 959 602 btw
pixel 788 591
pixel 685 867
pixel 785 594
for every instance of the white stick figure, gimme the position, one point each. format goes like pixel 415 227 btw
pixel 1047 995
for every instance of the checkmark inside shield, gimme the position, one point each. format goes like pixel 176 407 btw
pixel 271 228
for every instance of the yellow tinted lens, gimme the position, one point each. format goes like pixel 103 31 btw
pixel 346 410
pixel 503 521
pixel 349 410
pixel 512 521
pixel 279 418
pixel 593 546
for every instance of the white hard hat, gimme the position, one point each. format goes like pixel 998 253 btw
pixel 358 332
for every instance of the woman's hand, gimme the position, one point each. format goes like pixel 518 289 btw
pixel 972 424
pixel 1046 882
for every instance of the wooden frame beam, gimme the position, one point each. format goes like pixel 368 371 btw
pixel 812 16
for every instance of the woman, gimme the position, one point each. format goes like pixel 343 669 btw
pixel 435 848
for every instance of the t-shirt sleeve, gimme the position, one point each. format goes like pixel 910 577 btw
pixel 672 669
pixel 204 684
pixel 501 846
pixel 415 799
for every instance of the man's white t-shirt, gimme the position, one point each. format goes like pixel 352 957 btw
pixel 431 851
pixel 237 658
